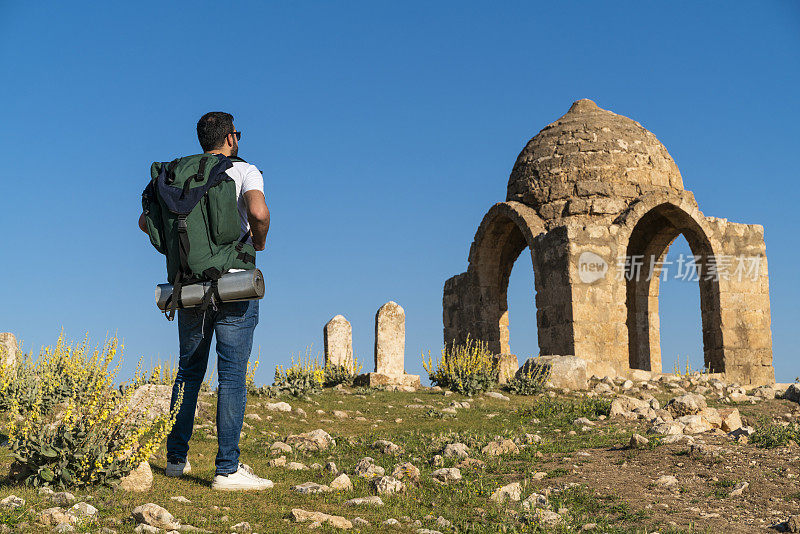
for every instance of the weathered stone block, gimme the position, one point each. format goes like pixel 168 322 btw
pixel 390 339
pixel 8 350
pixel 338 337
pixel 506 365
pixel 380 379
pixel 565 371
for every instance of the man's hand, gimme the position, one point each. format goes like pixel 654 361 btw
pixel 142 223
pixel 258 217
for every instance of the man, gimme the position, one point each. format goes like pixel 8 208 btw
pixel 233 324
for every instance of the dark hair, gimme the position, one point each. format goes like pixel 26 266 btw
pixel 212 128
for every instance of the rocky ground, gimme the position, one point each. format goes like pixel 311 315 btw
pixel 673 454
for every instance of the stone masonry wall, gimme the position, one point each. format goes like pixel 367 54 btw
pixel 745 308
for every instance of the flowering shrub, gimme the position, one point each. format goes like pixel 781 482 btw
pixel 466 369
pixel 162 374
pixel 304 376
pixel 250 375
pixel 68 423
pixel 342 374
pixel 529 381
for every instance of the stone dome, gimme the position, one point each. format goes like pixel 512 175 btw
pixel 590 161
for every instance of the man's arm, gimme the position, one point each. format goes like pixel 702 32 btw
pixel 258 217
pixel 142 223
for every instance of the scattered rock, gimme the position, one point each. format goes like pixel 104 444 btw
pixel 278 407
pixel 83 511
pixel 535 500
pixel 62 498
pixel 316 440
pixel 689 404
pixel 455 450
pixel 138 480
pixel 299 515
pixel 500 447
pixel 54 516
pixel 623 406
pixel 11 502
pixel 386 447
pixel 667 429
pixel 731 420
pixel 311 487
pixel 277 462
pixel 367 468
pixel 342 483
pixel 792 393
pixel 384 485
pixel 638 441
pixel 666 481
pixel 694 424
pixel 372 500
pixel 738 489
pixel 564 371
pixel 280 447
pixel 546 517
pixel 446 475
pixel 509 492
pixel 406 471
pixel 155 516
pixel 296 466
pixel 151 400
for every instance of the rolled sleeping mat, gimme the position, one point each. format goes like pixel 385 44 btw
pixel 232 287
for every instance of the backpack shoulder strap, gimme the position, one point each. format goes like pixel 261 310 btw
pixel 182 200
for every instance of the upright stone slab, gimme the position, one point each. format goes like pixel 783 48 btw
pixel 390 339
pixel 338 335
pixel 8 350
pixel 507 366
pixel 390 346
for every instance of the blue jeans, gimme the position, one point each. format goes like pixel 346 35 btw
pixel 233 324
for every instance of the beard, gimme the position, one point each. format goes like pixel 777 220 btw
pixel 235 149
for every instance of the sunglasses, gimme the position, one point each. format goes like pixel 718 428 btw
pixel 238 135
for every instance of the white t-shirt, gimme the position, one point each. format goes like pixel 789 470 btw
pixel 247 178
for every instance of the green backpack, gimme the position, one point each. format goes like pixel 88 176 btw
pixel 190 206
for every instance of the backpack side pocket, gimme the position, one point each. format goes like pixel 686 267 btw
pixel 223 213
pixel 152 216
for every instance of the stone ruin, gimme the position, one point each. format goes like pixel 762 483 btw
pixel 593 193
pixel 390 346
pixel 8 350
pixel 338 339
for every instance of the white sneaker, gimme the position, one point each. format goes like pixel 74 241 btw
pixel 178 469
pixel 242 479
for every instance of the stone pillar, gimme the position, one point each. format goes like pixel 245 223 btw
pixel 8 350
pixel 744 307
pixel 598 298
pixel 507 366
pixel 390 346
pixel 460 313
pixel 338 337
pixel 554 316
pixel 390 339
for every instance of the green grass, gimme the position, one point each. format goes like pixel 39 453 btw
pixel 723 487
pixel 465 504
pixel 770 435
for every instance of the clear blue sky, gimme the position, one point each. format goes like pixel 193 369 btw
pixel 385 130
